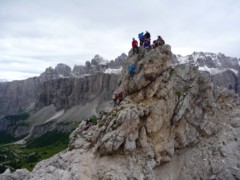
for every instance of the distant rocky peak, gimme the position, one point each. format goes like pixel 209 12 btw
pixel 123 55
pixel 99 60
pixel 97 56
pixel 48 70
pixel 63 69
pixel 121 58
pixel 118 62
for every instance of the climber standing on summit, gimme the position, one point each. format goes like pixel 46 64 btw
pixel 140 37
pixel 135 46
pixel 146 36
pixel 147 40
pixel 158 42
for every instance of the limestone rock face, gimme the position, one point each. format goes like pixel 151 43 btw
pixel 172 124
pixel 79 70
pixel 16 96
pixel 68 92
pixel 227 79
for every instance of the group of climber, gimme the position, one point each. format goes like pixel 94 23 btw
pixel 145 41
pixel 117 98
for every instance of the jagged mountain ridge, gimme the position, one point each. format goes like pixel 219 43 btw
pixel 210 60
pixel 225 70
pixel 173 124
pixel 97 64
pixel 16 96
pixel 56 93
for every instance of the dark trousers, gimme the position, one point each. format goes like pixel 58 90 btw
pixel 114 103
pixel 135 50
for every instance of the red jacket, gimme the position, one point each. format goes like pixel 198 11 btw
pixel 134 43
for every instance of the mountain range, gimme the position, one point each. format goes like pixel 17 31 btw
pixel 174 122
pixel 58 95
pixel 63 94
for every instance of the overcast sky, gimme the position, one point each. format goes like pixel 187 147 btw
pixel 36 34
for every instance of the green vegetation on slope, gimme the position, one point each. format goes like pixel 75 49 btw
pixel 48 139
pixel 16 121
pixel 17 156
pixel 6 138
pixel 17 117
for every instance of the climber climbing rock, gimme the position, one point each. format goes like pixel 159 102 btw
pixel 131 70
pixel 92 120
pixel 120 96
pixel 115 98
pixel 88 123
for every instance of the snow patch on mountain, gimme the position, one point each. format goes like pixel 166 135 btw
pixel 210 70
pixel 234 70
pixel 214 71
pixel 113 71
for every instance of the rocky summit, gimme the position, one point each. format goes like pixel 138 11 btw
pixel 172 124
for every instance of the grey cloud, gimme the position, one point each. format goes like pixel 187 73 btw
pixel 73 31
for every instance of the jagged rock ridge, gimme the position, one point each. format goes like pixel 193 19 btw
pixel 17 96
pixel 99 64
pixel 224 70
pixel 61 87
pixel 171 125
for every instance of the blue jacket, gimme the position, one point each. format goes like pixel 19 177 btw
pixel 140 36
pixel 132 68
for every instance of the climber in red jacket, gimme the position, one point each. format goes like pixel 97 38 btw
pixel 135 46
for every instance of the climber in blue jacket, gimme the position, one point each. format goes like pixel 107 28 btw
pixel 131 70
pixel 140 37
